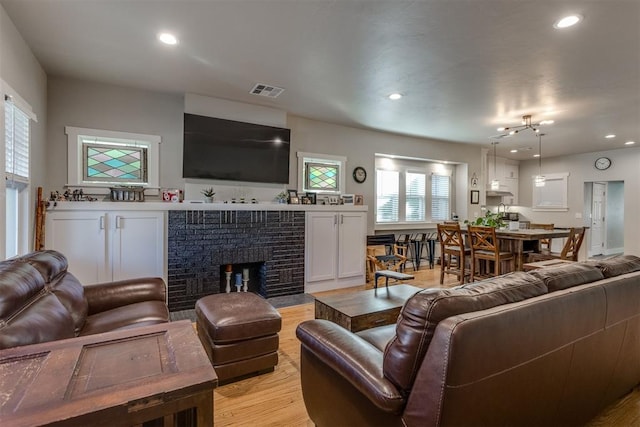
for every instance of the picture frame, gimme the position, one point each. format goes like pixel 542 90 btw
pixel 305 200
pixel 294 201
pixel 292 193
pixel 334 200
pixel 312 198
pixel 347 199
pixel 475 197
pixel 358 200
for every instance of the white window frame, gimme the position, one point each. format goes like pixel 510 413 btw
pixel 554 195
pixel 304 158
pixel 424 195
pixel 430 169
pixel 75 157
pixel 20 217
pixel 430 196
pixel 401 199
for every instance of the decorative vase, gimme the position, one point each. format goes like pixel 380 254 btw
pixel 208 199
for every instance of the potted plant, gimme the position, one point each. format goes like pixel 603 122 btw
pixel 208 194
pixel 490 219
pixel 282 197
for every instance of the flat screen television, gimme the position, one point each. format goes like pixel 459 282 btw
pixel 235 151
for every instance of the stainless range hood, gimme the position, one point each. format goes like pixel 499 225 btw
pixel 498 193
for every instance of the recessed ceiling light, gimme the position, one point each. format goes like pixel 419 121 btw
pixel 629 143
pixel 536 155
pixel 567 21
pixel 167 38
pixel 395 96
pixel 610 136
pixel 513 151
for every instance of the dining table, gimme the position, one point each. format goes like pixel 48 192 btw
pixel 516 239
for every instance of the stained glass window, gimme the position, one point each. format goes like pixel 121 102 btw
pixel 321 176
pixel 114 163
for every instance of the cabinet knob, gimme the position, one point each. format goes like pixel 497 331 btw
pixel 101 223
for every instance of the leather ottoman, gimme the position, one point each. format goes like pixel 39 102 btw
pixel 239 332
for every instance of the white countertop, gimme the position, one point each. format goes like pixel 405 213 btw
pixel 191 206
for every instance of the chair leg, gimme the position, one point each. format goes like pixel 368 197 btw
pixel 442 264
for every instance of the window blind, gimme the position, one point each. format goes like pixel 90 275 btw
pixel 440 189
pixel 16 144
pixel 387 195
pixel 415 196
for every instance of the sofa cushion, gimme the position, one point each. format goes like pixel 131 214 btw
pixel 423 311
pixel 42 319
pixel 70 292
pixel 567 275
pixel 19 283
pixel 129 316
pixel 617 265
pixel 51 264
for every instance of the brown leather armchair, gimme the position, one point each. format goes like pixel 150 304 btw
pixel 41 301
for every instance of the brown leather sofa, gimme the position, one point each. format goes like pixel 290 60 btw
pixel 552 347
pixel 41 301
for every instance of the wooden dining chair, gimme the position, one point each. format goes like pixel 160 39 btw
pixel 453 254
pixel 485 248
pixel 545 244
pixel 569 250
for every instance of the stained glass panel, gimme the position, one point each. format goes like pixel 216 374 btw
pixel 322 176
pixel 114 163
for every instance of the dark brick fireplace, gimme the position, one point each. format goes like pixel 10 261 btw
pixel 202 243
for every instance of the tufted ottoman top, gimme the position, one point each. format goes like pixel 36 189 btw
pixel 237 316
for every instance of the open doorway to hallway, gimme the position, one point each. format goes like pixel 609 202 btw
pixel 604 206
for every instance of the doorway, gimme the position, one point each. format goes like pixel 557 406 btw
pixel 604 206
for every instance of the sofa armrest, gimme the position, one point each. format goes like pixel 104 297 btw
pixel 354 359
pixel 106 296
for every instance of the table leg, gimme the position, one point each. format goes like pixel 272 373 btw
pixel 519 245
pixel 417 252
pixel 432 249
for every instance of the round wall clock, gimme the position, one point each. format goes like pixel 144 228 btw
pixel 359 174
pixel 602 163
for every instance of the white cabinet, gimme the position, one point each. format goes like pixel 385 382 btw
pixel 335 244
pixel 106 246
pixel 506 171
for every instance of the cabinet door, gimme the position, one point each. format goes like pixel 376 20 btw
pixel 137 247
pixel 352 242
pixel 321 246
pixel 80 236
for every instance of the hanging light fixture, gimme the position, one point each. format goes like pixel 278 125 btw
pixel 495 183
pixel 539 179
pixel 526 124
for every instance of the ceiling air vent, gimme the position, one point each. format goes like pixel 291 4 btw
pixel 266 90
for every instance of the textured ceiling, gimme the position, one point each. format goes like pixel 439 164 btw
pixel 465 67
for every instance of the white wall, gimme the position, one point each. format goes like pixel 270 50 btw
pixel 360 146
pixel 625 167
pixel 100 106
pixel 20 69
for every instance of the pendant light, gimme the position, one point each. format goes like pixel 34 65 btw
pixel 539 179
pixel 495 183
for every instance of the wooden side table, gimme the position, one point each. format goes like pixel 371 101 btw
pixel 121 378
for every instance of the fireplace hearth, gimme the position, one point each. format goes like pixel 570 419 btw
pixel 202 243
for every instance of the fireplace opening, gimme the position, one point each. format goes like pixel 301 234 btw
pixel 251 276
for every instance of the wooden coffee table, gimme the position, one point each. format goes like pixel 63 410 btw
pixel 121 378
pixel 546 263
pixel 361 310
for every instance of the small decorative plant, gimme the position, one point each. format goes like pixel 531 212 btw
pixel 282 197
pixel 208 192
pixel 490 219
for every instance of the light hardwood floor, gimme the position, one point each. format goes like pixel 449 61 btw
pixel 275 399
